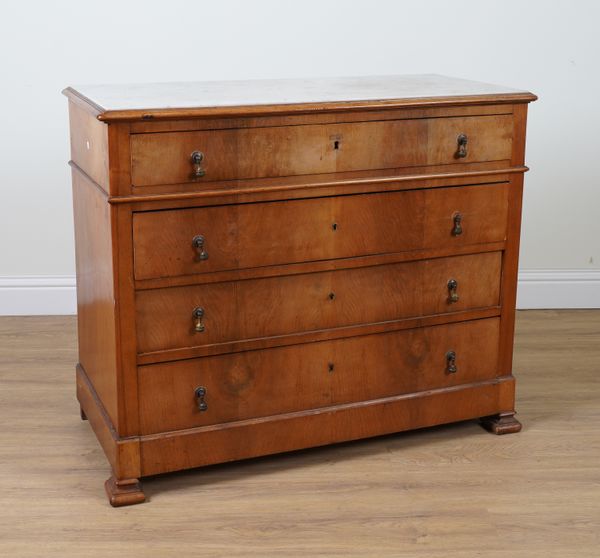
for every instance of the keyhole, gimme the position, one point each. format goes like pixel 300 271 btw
pixel 330 367
pixel 336 144
pixel 334 226
pixel 331 295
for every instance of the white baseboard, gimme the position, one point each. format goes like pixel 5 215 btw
pixel 541 288
pixel 37 295
pixel 558 288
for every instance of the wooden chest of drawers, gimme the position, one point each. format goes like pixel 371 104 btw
pixel 267 266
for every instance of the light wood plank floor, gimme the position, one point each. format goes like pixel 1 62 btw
pixel 452 491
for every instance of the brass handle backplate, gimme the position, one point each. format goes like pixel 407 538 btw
pixel 200 394
pixel 198 243
pixel 457 230
pixel 451 362
pixel 462 141
pixel 197 157
pixel 197 316
pixel 452 288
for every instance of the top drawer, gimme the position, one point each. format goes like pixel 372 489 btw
pixel 245 153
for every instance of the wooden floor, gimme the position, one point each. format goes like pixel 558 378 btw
pixel 452 491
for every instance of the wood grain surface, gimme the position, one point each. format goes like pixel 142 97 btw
pixel 453 491
pixel 310 376
pixel 164 158
pixel 265 234
pixel 97 334
pixel 256 308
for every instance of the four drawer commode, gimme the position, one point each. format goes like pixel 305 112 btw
pixel 265 266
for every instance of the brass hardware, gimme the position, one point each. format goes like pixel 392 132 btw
pixel 451 362
pixel 331 295
pixel 200 393
pixel 198 243
pixel 457 230
pixel 197 158
pixel 452 287
pixel 197 315
pixel 462 146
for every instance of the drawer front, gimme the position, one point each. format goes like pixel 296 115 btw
pixel 245 153
pixel 273 233
pixel 239 310
pixel 309 376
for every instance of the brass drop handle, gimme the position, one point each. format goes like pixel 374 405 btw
pixel 457 230
pixel 462 140
pixel 200 394
pixel 197 158
pixel 451 362
pixel 452 288
pixel 198 243
pixel 197 316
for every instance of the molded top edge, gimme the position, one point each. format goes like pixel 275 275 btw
pixel 236 98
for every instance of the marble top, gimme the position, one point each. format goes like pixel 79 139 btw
pixel 214 94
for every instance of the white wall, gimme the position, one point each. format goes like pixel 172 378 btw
pixel 550 48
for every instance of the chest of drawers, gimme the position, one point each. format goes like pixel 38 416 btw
pixel 274 265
